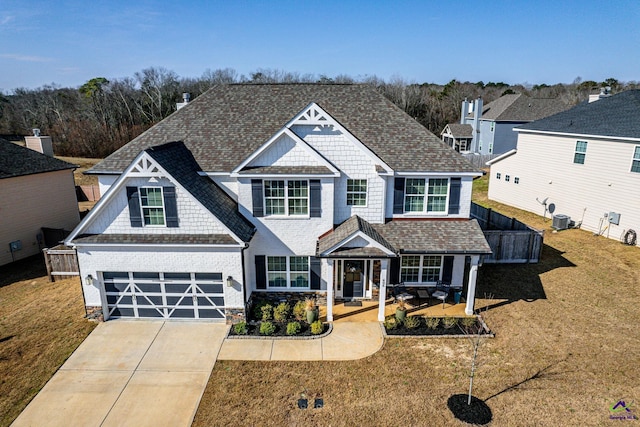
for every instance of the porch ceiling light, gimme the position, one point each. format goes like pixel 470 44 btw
pixel 229 281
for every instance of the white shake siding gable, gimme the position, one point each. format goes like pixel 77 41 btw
pixel 285 152
pixel 544 167
pixel 193 218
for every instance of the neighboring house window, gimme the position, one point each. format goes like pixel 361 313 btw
pixel 282 270
pixel 507 178
pixel 420 268
pixel 492 126
pixel 581 150
pixel 516 180
pixel 286 197
pixel 490 147
pixel 635 163
pixel 435 190
pixel 498 175
pixel 356 192
pixel 152 204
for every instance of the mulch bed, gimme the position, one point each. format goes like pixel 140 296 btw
pixel 478 413
pixel 423 330
pixel 253 330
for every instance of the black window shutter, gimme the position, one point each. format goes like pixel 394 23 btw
pixel 170 206
pixel 394 270
pixel 447 269
pixel 454 195
pixel 398 196
pixel 261 272
pixel 256 195
pixel 134 207
pixel 315 272
pixel 315 198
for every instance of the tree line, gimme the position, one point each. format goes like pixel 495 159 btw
pixel 103 114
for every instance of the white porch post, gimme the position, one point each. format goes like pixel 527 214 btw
pixel 471 288
pixel 329 290
pixel 382 296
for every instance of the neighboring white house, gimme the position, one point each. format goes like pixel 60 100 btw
pixel 583 163
pixel 36 191
pixel 285 190
pixel 492 131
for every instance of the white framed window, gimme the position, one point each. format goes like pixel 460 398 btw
pixel 491 148
pixel 635 163
pixel 286 197
pixel 356 192
pixel 507 178
pixel 516 180
pixel 498 175
pixel 421 195
pixel 493 126
pixel 580 153
pixel 152 204
pixel 288 272
pixel 420 268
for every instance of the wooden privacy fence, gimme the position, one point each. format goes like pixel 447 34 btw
pixel 61 262
pixel 510 240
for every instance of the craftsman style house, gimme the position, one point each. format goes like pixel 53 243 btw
pixel 291 190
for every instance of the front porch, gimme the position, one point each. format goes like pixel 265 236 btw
pixel 368 312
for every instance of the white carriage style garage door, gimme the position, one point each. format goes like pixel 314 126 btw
pixel 164 295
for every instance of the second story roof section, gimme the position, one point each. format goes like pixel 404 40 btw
pixel 224 126
pixel 616 116
pixel 16 160
pixel 521 108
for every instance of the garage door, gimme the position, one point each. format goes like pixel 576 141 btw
pixel 164 295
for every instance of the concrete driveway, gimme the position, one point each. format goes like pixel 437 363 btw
pixel 130 373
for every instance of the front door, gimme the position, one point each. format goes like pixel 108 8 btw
pixel 353 282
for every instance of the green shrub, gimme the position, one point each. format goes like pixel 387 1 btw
pixel 390 323
pixel 257 308
pixel 317 327
pixel 267 328
pixel 240 328
pixel 449 322
pixel 293 328
pixel 299 311
pixel 468 324
pixel 432 322
pixel 411 322
pixel 281 312
pixel 266 312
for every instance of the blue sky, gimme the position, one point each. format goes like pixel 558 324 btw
pixel 70 42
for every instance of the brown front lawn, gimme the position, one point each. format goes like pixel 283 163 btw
pixel 566 349
pixel 41 324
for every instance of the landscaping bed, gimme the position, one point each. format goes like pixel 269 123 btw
pixel 281 319
pixel 436 326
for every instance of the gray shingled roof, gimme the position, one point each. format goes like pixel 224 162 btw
pixel 349 228
pixel 18 161
pixel 521 108
pixel 459 130
pixel 180 164
pixel 614 116
pixel 161 239
pixel 433 236
pixel 226 124
pixel 286 170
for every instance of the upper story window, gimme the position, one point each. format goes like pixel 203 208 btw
pixel 516 180
pixel 493 126
pixel 635 163
pixel 507 178
pixel 498 175
pixel 356 192
pixel 580 154
pixel 286 197
pixel 152 204
pixel 417 196
pixel 430 194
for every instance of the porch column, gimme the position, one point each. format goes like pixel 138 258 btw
pixel 329 290
pixel 382 295
pixel 471 288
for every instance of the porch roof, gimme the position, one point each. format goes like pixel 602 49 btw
pixel 351 227
pixel 435 236
pixel 367 252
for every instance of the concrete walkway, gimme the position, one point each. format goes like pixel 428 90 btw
pixel 138 373
pixel 347 341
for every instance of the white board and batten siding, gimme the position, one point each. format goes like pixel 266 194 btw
pixel 545 168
